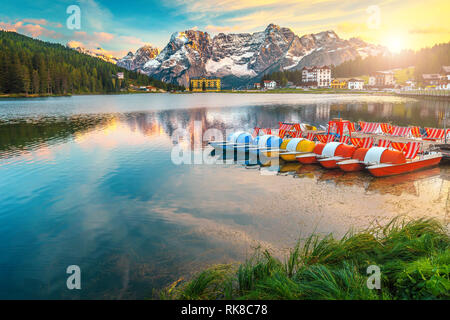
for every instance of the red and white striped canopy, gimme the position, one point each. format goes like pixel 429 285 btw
pixel 415 131
pixel 344 139
pixel 362 142
pixel 370 127
pixel 287 127
pixel 410 149
pixel 310 136
pixel 386 128
pixel 384 143
pixel 325 138
pixel 255 132
pixel 401 131
pixel 433 133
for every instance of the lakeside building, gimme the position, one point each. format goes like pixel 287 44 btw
pixel 444 83
pixel 409 85
pixel 205 84
pixel 270 84
pixel 439 81
pixel 355 84
pixel 339 84
pixel 431 79
pixel 445 72
pixel 382 79
pixel 257 85
pixel 145 88
pixel 316 76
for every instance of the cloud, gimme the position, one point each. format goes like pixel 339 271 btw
pixel 36 21
pixel 222 6
pixel 43 22
pixel 94 38
pixel 103 36
pixel 95 16
pixel 255 15
pixel 75 44
pixel 30 29
pixel 351 27
pixel 220 29
pixel 432 30
pixel 132 41
pixel 97 41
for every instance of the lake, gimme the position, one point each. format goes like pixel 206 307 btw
pixel 90 181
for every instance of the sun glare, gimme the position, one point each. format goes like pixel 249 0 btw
pixel 395 44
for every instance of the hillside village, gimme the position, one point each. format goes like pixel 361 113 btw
pixel 320 77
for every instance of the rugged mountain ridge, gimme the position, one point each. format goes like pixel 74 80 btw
pixel 98 53
pixel 242 58
pixel 136 61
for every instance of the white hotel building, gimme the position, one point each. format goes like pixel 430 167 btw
pixel 316 76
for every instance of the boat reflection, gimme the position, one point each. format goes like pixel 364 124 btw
pixel 407 183
pixel 396 185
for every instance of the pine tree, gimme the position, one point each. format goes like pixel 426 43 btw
pixel 26 80
pixel 35 82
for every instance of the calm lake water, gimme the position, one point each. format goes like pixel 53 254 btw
pixel 89 181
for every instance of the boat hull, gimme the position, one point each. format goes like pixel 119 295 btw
pixel 395 169
pixel 350 166
pixel 330 163
pixel 288 157
pixel 270 154
pixel 307 159
pixel 291 156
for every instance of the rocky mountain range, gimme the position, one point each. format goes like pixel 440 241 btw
pixel 137 60
pixel 97 52
pixel 243 58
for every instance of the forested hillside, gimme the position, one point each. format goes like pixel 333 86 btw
pixel 30 66
pixel 427 60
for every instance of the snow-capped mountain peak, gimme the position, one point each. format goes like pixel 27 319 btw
pixel 137 60
pixel 244 57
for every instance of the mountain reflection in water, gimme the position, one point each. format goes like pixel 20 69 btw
pixel 90 181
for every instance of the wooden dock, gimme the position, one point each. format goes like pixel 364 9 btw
pixel 445 150
pixel 439 94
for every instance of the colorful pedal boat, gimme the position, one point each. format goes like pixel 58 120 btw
pixel 335 152
pixel 389 169
pixel 291 148
pixel 311 157
pixel 356 163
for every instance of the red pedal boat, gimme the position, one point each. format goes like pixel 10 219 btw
pixel 335 152
pixel 311 157
pixel 383 162
pixel 388 169
pixel 356 163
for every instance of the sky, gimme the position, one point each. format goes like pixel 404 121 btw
pixel 122 26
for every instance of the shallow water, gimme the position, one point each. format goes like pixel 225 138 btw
pixel 89 180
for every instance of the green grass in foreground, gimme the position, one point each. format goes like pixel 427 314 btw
pixel 414 258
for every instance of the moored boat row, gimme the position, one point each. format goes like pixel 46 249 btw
pixel 379 161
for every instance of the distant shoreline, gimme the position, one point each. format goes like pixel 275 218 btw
pixel 275 91
pixel 23 95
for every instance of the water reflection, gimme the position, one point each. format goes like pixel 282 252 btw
pixel 99 190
